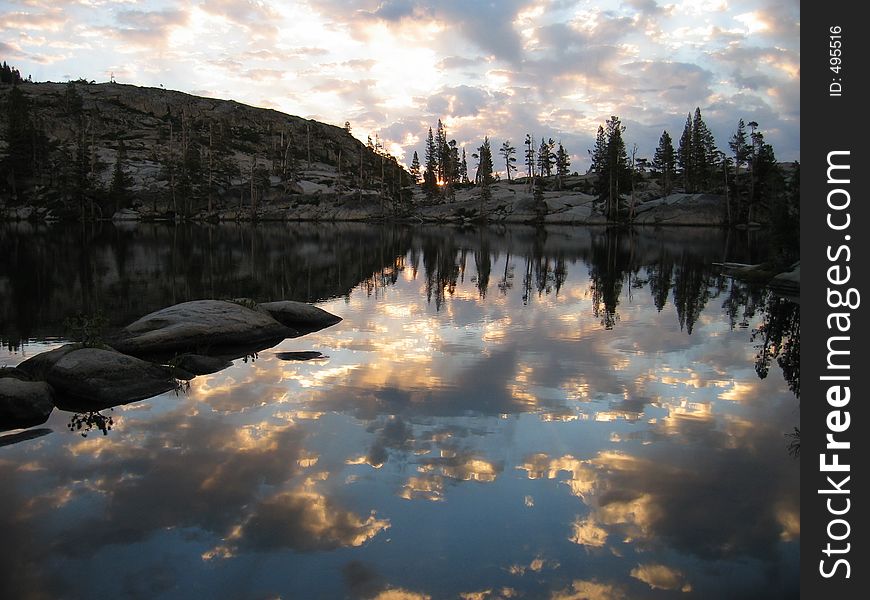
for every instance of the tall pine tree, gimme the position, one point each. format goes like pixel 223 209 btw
pixel 415 168
pixel 665 162
pixel 563 161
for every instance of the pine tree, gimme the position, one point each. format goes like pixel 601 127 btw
pixel 546 159
pixel 563 161
pixel 9 74
pixel 119 193
pixel 507 152
pixel 598 154
pixel 415 168
pixel 665 162
pixel 615 172
pixel 441 152
pixel 20 132
pixel 685 156
pixel 455 168
pixel 742 152
pixel 703 153
pixel 530 160
pixel 538 196
pixel 430 175
pixel 484 174
pixel 463 168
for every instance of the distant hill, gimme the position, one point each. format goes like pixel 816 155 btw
pixel 178 154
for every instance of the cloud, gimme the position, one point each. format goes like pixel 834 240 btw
pixel 147 29
pixel 301 520
pixel 676 84
pixel 661 577
pixel 590 590
pixel 52 20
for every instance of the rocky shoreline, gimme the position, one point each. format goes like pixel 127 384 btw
pixel 153 355
pixel 508 205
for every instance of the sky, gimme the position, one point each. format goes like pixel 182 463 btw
pixel 553 68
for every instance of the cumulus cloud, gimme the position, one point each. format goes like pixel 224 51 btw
pixel 300 520
pixel 661 577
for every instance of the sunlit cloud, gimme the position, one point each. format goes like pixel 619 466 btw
pixel 590 590
pixel 661 577
pixel 300 521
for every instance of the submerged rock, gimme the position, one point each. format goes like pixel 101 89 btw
pixel 23 436
pixel 200 326
pixel 305 355
pixel 24 403
pixel 299 315
pixel 197 364
pixel 93 378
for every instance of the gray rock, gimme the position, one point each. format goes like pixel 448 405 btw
pixel 94 378
pixel 200 326
pixel 299 315
pixel 126 214
pixel 309 187
pixel 24 403
pixel 15 373
pixel 683 209
pixel 291 187
pixel 38 367
pixel 197 364
pixel 23 436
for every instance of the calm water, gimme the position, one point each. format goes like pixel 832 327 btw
pixel 570 413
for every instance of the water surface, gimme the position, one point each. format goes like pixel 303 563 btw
pixel 565 413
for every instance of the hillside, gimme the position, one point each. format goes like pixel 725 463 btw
pixel 180 155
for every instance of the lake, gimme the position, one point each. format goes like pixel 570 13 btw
pixel 502 413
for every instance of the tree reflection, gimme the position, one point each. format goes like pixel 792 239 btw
pixel 609 263
pixel 86 422
pixel 779 336
pixel 440 268
pixel 691 290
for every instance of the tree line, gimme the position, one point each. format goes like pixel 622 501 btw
pixel 749 177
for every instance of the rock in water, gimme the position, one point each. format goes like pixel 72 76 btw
pixel 24 403
pixel 300 316
pixel 93 378
pixel 197 364
pixel 305 355
pixel 37 367
pixel 200 326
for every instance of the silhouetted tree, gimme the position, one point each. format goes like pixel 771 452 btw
pixel 685 157
pixel 507 152
pixel 9 74
pixel 530 160
pixel 119 188
pixel 563 162
pixel 546 159
pixel 665 162
pixel 430 175
pixel 18 163
pixel 484 174
pixel 415 168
